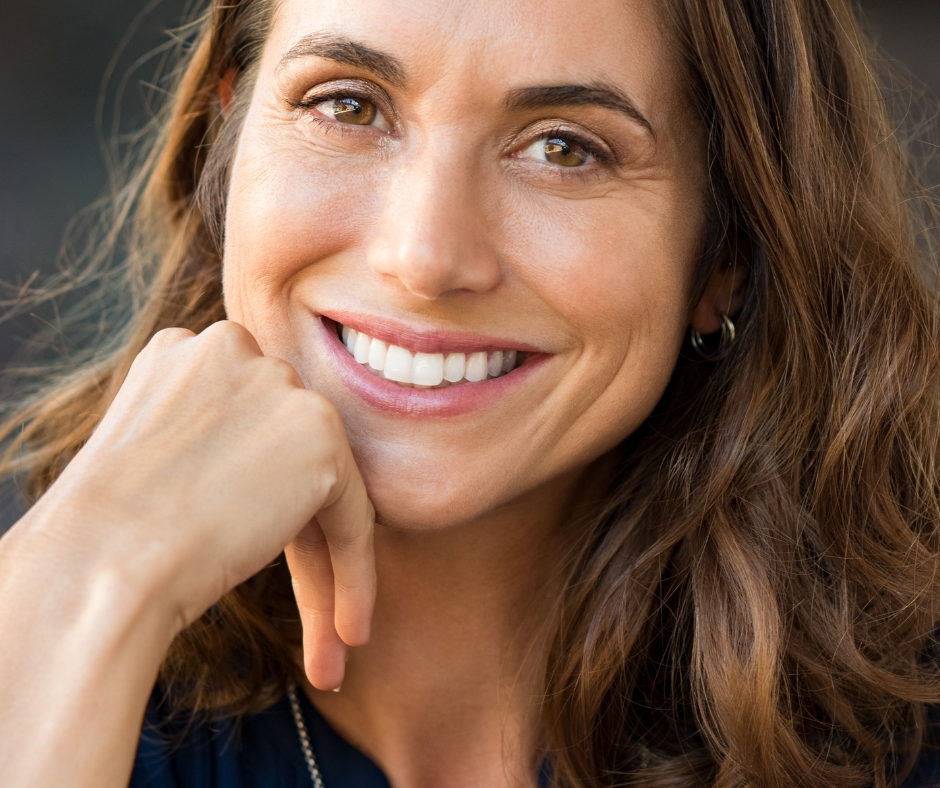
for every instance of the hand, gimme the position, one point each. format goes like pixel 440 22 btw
pixel 210 460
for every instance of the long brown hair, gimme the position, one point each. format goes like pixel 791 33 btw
pixel 756 601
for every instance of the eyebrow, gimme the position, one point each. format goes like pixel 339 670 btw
pixel 596 94
pixel 350 53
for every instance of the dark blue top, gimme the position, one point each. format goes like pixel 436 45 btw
pixel 259 751
pixel 263 751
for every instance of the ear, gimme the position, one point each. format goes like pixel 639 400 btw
pixel 227 90
pixel 724 293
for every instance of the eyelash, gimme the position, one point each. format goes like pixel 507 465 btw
pixel 342 128
pixel 600 155
pixel 585 174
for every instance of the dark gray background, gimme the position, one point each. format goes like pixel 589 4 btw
pixel 54 53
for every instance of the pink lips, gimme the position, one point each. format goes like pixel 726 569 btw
pixel 452 401
pixel 425 342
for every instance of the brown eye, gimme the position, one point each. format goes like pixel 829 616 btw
pixel 353 111
pixel 560 151
pixel 565 153
pixel 360 112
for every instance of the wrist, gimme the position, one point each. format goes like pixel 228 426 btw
pixel 82 647
pixel 72 578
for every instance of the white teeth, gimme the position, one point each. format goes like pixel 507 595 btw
pixel 361 351
pixel 455 365
pixel 476 367
pixel 428 369
pixel 494 366
pixel 378 350
pixel 398 364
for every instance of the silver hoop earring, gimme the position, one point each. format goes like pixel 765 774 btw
pixel 728 335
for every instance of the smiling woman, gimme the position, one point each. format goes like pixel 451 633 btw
pixel 582 370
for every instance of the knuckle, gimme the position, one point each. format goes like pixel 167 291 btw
pixel 348 542
pixel 319 414
pixel 327 413
pixel 223 328
pixel 169 337
pixel 229 334
pixel 280 371
pixel 317 615
pixel 309 544
pixel 315 609
pixel 327 480
pixel 353 589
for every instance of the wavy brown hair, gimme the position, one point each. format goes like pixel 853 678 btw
pixel 756 602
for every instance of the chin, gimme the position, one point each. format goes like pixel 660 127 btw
pixel 414 519
pixel 426 487
pixel 405 508
pixel 424 501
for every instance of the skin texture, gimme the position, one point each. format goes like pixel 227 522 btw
pixel 221 449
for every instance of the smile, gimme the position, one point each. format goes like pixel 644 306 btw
pixel 412 369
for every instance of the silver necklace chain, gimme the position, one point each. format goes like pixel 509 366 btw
pixel 304 736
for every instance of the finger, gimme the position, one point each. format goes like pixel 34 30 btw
pixel 348 525
pixel 308 558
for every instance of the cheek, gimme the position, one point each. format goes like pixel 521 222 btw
pixel 617 270
pixel 287 209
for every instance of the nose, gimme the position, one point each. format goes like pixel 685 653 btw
pixel 431 234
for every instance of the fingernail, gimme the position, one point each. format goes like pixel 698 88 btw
pixel 338 688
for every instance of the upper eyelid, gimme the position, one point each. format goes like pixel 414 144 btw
pixel 357 89
pixel 603 153
pixel 310 97
pixel 561 127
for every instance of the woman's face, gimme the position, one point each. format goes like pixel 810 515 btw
pixel 455 179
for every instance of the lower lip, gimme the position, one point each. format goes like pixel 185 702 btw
pixel 456 400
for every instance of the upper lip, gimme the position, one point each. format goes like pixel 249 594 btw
pixel 425 339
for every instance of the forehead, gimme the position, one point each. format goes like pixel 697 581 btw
pixel 499 44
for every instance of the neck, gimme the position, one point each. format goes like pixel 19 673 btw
pixel 447 690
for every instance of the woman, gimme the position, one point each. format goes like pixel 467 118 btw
pixel 580 362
